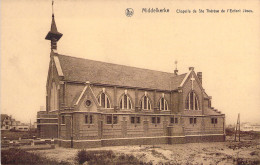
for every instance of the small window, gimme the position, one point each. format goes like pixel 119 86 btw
pixel 62 119
pixel 132 120
pixel 135 120
pixel 109 119
pixel 158 120
pixel 138 120
pixel 114 119
pixel 174 120
pixel 88 103
pixel 154 120
pixel 88 119
pixel 193 120
pixel 214 120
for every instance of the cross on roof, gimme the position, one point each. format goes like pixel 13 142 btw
pixel 192 79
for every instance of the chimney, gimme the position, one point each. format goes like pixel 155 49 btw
pixel 176 72
pixel 191 68
pixel 199 74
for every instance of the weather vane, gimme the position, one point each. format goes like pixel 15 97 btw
pixel 176 62
pixel 52 6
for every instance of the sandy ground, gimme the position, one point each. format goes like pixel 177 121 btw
pixel 192 153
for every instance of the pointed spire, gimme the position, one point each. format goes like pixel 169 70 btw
pixel 53 34
pixel 53 25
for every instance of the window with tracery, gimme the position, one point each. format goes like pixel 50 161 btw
pixel 163 105
pixel 192 101
pixel 125 102
pixel 145 103
pixel 104 101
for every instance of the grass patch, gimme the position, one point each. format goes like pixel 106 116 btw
pixel 19 156
pixel 102 157
pixel 243 161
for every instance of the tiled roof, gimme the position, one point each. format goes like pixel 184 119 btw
pixel 78 69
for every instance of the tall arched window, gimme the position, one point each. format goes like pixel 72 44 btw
pixel 104 101
pixel 192 101
pixel 125 102
pixel 54 97
pixel 163 105
pixel 145 103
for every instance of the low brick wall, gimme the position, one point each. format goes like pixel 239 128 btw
pixel 205 138
pixel 135 141
pixel 141 141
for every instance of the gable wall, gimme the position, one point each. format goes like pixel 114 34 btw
pixel 52 77
pixel 186 90
pixel 72 93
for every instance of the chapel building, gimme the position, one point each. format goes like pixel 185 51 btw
pixel 92 104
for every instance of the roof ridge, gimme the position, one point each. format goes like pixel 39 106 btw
pixel 122 65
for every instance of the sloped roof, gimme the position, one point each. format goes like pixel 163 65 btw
pixel 78 69
pixel 3 116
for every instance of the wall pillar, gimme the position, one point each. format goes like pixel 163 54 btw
pixel 136 100
pixel 115 98
pixel 180 100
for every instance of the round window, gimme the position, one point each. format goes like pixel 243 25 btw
pixel 88 103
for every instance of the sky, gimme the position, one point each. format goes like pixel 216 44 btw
pixel 225 47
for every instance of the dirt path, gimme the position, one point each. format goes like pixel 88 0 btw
pixel 192 153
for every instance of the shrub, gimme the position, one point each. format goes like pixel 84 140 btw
pixel 230 131
pixel 102 157
pixel 19 156
pixel 243 161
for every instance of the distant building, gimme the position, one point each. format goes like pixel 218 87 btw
pixel 22 127
pixel 9 123
pixel 6 122
pixel 250 127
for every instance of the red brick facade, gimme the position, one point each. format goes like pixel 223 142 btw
pixel 91 103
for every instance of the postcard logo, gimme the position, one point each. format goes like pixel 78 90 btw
pixel 129 12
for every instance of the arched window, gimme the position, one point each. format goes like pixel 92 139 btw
pixel 104 101
pixel 163 105
pixel 145 103
pixel 54 97
pixel 125 102
pixel 192 101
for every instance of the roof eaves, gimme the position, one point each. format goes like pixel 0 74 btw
pixel 58 66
